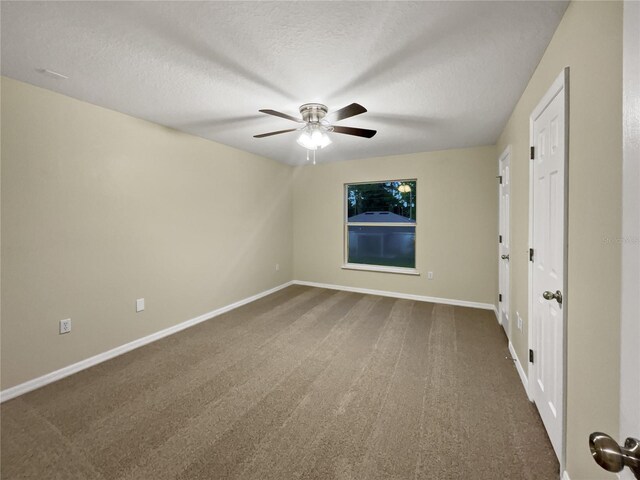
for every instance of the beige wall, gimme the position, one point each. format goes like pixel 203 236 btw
pixel 457 223
pixel 99 208
pixel 589 41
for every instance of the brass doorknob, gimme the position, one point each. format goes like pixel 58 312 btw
pixel 612 457
pixel 553 296
pixel 505 257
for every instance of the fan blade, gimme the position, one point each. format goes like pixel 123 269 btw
pixel 358 132
pixel 346 112
pixel 282 115
pixel 262 135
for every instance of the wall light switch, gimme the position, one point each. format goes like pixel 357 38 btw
pixel 277 267
pixel 139 304
pixel 430 275
pixel 65 326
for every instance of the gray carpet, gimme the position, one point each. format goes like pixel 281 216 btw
pixel 305 383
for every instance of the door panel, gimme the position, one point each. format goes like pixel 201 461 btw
pixel 504 270
pixel 548 239
pixel 630 319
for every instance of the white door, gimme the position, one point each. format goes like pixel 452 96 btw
pixel 630 240
pixel 504 249
pixel 547 270
pixel 630 321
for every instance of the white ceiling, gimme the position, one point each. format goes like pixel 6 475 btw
pixel 433 75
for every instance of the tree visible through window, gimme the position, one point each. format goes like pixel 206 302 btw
pixel 380 227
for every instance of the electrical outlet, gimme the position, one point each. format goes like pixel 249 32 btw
pixel 277 267
pixel 139 304
pixel 65 326
pixel 430 275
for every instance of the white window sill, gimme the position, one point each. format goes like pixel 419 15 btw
pixel 379 268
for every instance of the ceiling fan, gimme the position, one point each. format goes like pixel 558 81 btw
pixel 318 122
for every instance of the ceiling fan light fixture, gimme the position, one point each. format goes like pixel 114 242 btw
pixel 313 137
pixel 320 138
pixel 316 136
pixel 305 140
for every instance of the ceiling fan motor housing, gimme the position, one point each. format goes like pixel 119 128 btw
pixel 313 112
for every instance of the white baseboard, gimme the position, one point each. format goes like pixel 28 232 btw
pixel 30 385
pixel 406 296
pixel 520 369
pixel 565 476
pixel 495 310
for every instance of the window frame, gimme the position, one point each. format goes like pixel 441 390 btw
pixel 345 220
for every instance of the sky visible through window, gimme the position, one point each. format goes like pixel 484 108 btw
pixel 398 197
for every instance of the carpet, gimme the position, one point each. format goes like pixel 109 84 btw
pixel 305 383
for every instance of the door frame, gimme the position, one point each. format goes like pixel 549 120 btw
pixel 505 154
pixel 561 82
pixel 630 301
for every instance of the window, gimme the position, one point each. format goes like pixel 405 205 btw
pixel 380 226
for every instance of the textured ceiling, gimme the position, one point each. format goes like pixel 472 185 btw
pixel 433 75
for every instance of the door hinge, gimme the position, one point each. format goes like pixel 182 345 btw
pixel 499 238
pixel 531 254
pixel 530 356
pixel 533 153
pixel 499 177
pixel 499 297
